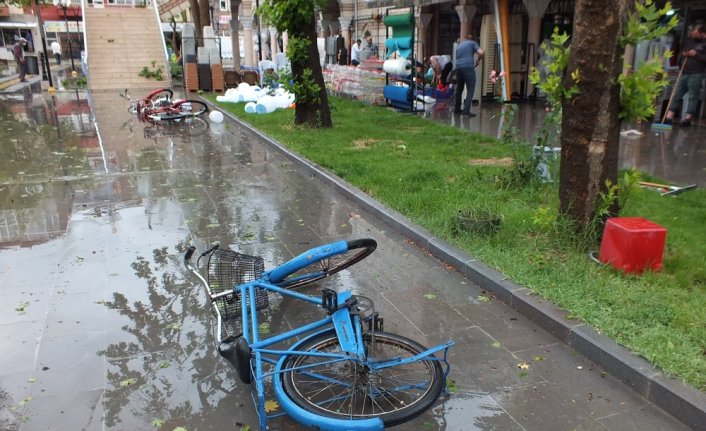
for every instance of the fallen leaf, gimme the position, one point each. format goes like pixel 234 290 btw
pixel 451 386
pixel 164 364
pixel 271 406
pixel 523 366
pixel 157 422
pixel 497 344
pixel 482 298
pixel 263 328
pixel 174 326
pixel 538 358
pixel 128 382
pixel 430 296
pixel 32 379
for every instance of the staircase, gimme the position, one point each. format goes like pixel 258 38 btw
pixel 121 41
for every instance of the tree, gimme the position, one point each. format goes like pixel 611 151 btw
pixel 590 130
pixel 297 18
pixel 200 16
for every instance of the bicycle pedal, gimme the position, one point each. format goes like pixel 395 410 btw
pixel 329 300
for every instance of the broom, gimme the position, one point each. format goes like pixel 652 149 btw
pixel 662 125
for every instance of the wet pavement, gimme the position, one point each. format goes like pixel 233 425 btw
pixel 101 326
pixel 677 156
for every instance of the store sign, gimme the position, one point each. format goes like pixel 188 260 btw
pixel 60 27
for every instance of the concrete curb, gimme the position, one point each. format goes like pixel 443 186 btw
pixel 684 402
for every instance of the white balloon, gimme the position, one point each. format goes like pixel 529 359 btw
pixel 216 116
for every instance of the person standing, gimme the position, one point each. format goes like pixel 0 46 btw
pixel 56 49
pixel 370 47
pixel 18 53
pixel 466 63
pixel 693 65
pixel 355 53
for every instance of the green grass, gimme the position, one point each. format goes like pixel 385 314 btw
pixel 424 170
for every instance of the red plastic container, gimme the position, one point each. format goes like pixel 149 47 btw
pixel 633 244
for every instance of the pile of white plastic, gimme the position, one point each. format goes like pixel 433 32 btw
pixel 259 100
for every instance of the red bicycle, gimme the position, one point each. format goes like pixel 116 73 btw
pixel 155 99
pixel 177 111
pixel 158 107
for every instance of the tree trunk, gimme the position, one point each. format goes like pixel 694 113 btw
pixel 204 12
pixel 590 130
pixel 196 16
pixel 314 114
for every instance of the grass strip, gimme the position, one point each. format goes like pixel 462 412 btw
pixel 429 172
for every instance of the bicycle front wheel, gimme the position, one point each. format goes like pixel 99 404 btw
pixel 321 268
pixel 190 107
pixel 350 390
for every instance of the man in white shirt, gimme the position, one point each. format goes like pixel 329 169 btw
pixel 56 49
pixel 355 53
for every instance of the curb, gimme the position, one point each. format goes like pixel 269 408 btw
pixel 682 401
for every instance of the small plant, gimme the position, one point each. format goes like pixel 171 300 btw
pixel 155 73
pixel 176 68
pixel 79 81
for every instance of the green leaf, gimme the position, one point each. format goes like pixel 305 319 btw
pixel 164 364
pixel 157 422
pixel 451 386
pixel 263 328
pixel 430 296
pixel 128 382
pixel 175 326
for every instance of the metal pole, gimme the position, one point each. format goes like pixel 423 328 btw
pixel 259 36
pixel 44 42
pixel 68 35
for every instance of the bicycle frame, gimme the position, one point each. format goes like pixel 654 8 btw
pixel 348 328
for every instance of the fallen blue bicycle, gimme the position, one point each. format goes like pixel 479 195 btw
pixel 342 372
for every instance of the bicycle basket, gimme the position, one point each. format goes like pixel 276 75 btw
pixel 226 269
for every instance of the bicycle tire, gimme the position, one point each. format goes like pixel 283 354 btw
pixel 191 108
pixel 358 250
pixel 162 93
pixel 343 390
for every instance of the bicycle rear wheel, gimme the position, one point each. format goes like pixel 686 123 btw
pixel 321 268
pixel 190 107
pixel 160 94
pixel 350 390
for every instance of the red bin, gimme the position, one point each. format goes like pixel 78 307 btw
pixel 633 244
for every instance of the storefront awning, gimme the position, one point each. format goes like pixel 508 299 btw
pixel 11 24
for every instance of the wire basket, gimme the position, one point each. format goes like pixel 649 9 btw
pixel 227 269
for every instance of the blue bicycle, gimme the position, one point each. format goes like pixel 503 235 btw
pixel 342 372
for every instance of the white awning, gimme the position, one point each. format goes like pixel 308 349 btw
pixel 6 24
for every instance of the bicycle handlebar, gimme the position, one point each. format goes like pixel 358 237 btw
pixel 189 252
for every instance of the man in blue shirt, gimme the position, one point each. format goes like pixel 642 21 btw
pixel 466 74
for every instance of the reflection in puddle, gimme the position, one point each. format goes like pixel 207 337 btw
pixel 470 412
